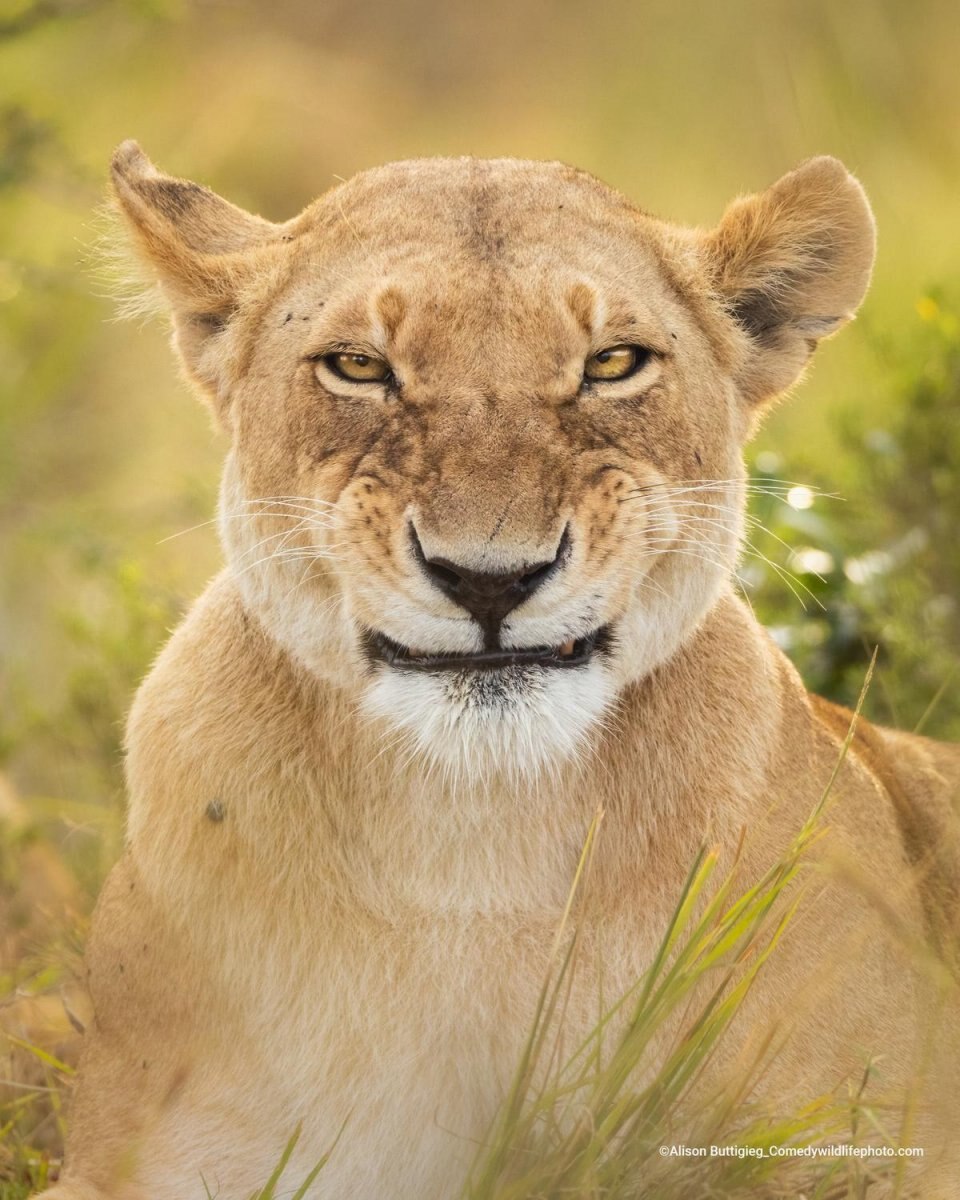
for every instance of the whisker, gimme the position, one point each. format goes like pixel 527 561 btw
pixel 689 524
pixel 711 562
pixel 751 487
pixel 190 529
pixel 750 481
pixel 293 554
pixel 241 515
pixel 284 534
pixel 755 524
pixel 792 581
pixel 295 502
pixel 290 496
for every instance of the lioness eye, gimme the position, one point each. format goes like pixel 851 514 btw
pixel 617 362
pixel 358 368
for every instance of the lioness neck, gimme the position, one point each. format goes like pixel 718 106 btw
pixel 284 782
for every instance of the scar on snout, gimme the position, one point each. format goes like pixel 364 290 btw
pixel 216 811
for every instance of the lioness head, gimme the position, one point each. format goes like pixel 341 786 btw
pixel 487 421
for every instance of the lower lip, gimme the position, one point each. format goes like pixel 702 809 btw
pixel 381 649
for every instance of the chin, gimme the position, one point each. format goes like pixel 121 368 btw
pixel 479 724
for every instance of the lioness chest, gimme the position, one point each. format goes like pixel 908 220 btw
pixel 404 1035
pixel 312 936
pixel 307 933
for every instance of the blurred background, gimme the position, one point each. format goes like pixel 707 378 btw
pixel 104 455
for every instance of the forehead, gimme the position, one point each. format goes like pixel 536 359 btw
pixel 493 235
pixel 491 207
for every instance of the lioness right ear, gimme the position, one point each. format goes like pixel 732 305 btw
pixel 791 265
pixel 201 249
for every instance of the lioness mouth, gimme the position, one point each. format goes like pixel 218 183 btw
pixel 573 653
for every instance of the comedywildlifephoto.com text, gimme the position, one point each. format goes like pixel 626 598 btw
pixel 839 1151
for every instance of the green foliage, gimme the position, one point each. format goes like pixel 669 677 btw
pixel 879 567
pixel 72 747
pixel 115 636
pixel 269 1190
pixel 25 1164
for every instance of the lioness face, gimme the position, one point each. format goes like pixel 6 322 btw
pixel 487 422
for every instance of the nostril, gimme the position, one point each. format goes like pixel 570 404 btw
pixel 533 579
pixel 541 573
pixel 443 575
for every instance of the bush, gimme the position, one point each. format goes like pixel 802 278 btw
pixel 878 569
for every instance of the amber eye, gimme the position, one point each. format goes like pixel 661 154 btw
pixel 617 362
pixel 358 368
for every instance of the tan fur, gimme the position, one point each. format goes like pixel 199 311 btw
pixel 339 894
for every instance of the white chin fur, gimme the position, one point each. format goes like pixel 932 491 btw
pixel 520 722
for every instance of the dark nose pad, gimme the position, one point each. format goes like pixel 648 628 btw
pixel 485 596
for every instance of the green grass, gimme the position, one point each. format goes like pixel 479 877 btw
pixel 270 1191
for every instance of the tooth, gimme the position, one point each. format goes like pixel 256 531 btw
pixel 566 650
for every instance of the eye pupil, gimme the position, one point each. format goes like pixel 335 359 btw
pixel 616 362
pixel 357 367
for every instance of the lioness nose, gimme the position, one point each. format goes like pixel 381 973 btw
pixel 488 597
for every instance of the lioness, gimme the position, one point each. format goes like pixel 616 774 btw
pixel 481 515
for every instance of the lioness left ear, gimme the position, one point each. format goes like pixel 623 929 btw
pixel 791 265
